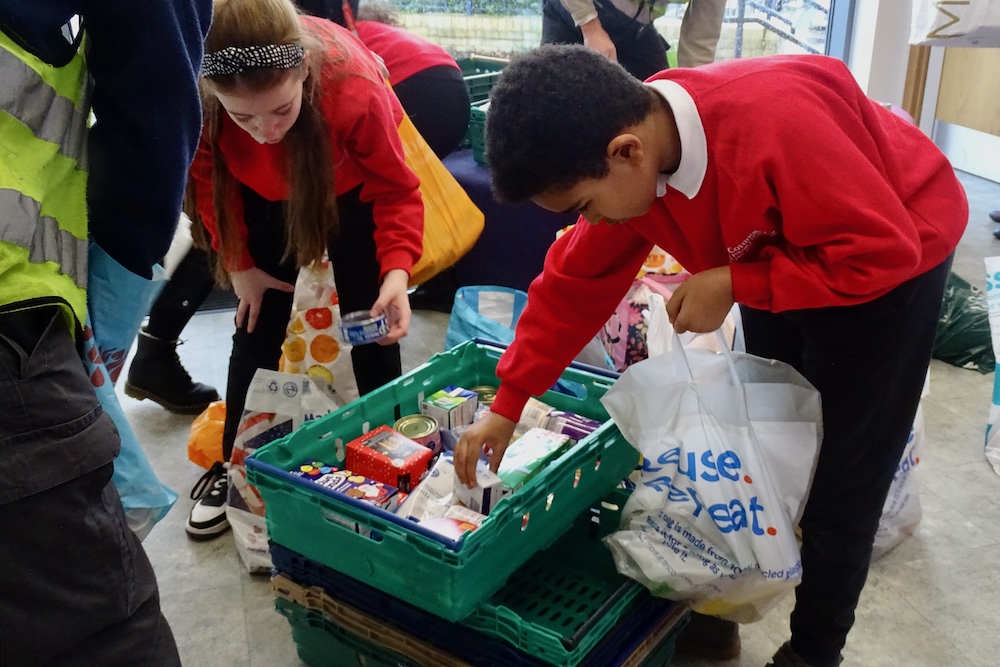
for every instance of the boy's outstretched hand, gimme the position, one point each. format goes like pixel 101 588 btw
pixel 491 433
pixel 702 302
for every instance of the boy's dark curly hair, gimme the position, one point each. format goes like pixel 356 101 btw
pixel 551 117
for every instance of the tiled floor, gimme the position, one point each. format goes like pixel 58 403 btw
pixel 930 603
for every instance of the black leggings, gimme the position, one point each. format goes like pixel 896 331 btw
pixel 868 363
pixel 356 272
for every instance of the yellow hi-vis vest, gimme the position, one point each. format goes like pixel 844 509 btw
pixel 43 182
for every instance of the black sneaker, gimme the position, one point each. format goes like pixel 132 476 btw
pixel 786 657
pixel 208 516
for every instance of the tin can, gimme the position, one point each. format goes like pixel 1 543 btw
pixel 359 328
pixel 420 428
pixel 486 394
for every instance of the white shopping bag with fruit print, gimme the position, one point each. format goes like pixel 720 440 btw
pixel 729 443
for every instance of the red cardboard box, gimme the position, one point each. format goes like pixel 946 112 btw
pixel 389 457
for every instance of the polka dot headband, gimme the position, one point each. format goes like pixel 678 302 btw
pixel 236 59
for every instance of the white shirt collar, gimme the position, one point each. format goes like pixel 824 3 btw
pixel 690 172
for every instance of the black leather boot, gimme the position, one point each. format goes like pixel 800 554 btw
pixel 156 373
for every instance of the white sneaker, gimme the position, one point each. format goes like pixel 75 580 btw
pixel 208 516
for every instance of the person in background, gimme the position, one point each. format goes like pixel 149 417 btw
pixel 76 585
pixel 429 85
pixel 780 186
pixel 300 155
pixel 426 78
pixel 622 30
pixel 701 28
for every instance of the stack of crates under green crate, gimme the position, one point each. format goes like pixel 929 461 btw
pixel 533 579
pixel 567 607
pixel 480 75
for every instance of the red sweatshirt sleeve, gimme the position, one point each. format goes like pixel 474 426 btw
pixel 587 272
pixel 366 116
pixel 845 232
pixel 201 177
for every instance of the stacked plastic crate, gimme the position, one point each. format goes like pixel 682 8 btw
pixel 480 74
pixel 533 585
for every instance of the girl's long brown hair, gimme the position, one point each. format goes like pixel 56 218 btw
pixel 311 208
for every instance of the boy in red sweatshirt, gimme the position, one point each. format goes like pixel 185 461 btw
pixel 781 187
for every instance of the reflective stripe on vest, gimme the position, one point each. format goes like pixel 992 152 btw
pixel 51 117
pixel 43 182
pixel 23 224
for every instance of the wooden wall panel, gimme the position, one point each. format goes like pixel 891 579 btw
pixel 970 89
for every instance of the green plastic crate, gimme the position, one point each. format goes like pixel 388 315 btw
pixel 475 133
pixel 399 557
pixel 480 76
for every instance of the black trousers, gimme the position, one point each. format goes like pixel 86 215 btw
pixel 356 272
pixel 868 363
pixel 437 101
pixel 76 587
pixel 642 51
pixel 182 296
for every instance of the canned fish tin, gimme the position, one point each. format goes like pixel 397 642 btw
pixel 420 428
pixel 359 328
pixel 486 394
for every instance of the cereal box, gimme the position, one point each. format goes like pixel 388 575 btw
pixel 350 484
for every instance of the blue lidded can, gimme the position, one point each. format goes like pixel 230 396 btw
pixel 359 328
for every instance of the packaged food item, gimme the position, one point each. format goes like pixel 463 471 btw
pixel 350 484
pixel 529 455
pixel 451 407
pixel 360 328
pixel 433 496
pixel 577 427
pixel 487 492
pixel 456 522
pixel 422 429
pixel 389 457
pixel 486 393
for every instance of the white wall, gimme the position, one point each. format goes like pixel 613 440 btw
pixel 880 47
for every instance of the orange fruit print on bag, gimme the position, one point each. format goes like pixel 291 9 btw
pixel 319 318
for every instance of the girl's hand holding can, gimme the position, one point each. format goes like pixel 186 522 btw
pixel 395 303
pixel 492 434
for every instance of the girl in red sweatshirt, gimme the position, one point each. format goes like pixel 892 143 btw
pixel 300 155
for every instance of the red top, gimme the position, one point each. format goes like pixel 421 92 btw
pixel 362 116
pixel 812 193
pixel 404 53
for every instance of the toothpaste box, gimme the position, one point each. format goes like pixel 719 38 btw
pixel 451 407
pixel 529 455
pixel 389 457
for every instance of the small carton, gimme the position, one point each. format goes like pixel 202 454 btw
pixel 487 492
pixel 451 407
pixel 389 457
pixel 529 455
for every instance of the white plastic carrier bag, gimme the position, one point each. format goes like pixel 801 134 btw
pixel 729 444
pixel 955 23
